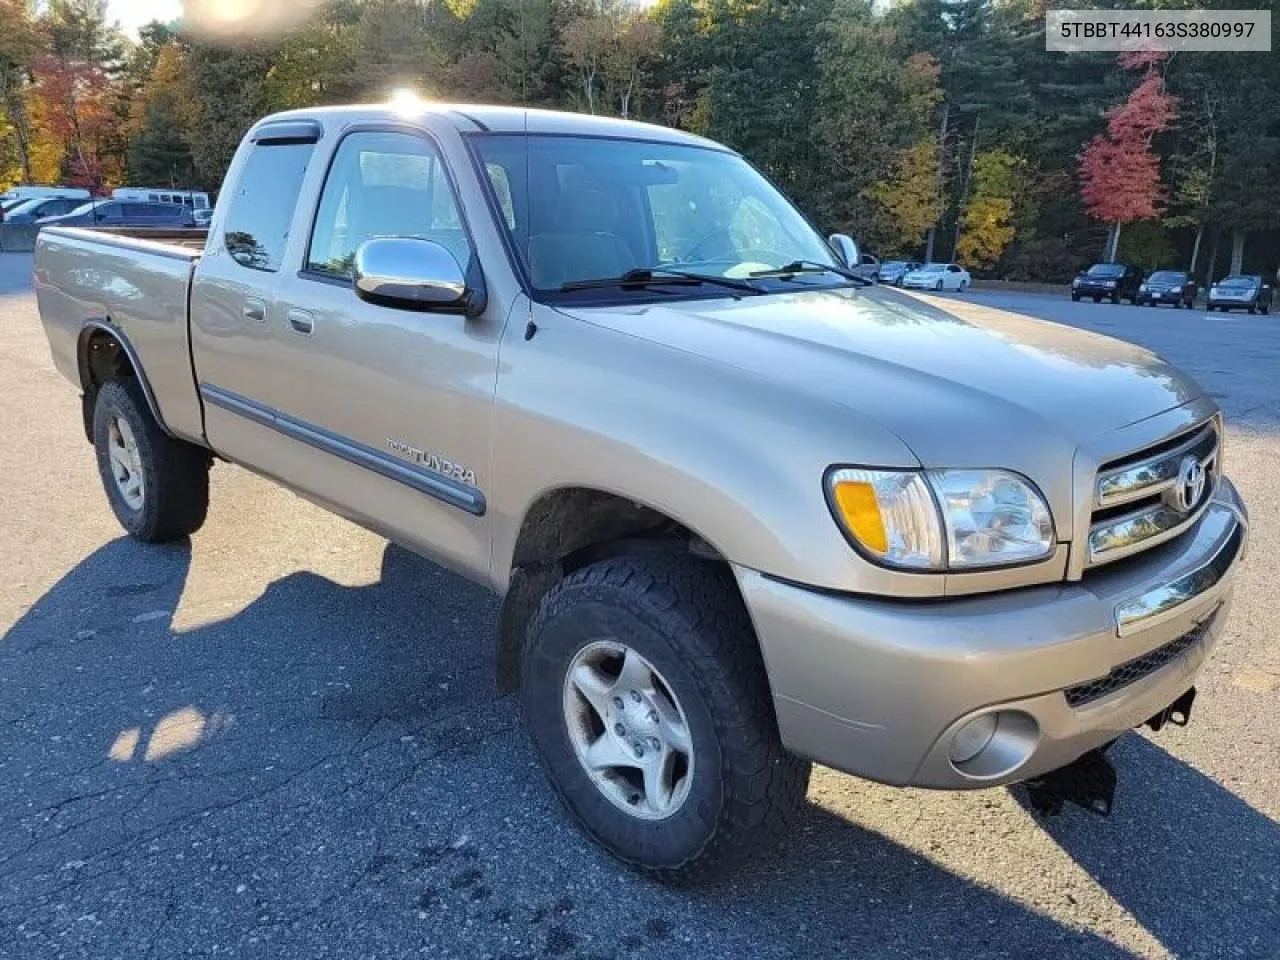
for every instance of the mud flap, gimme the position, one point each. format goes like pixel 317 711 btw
pixel 1089 782
pixel 1178 713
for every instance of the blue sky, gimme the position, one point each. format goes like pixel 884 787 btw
pixel 134 13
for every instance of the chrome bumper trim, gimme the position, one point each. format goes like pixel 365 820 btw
pixel 1166 601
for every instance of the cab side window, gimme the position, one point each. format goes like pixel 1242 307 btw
pixel 261 211
pixel 384 185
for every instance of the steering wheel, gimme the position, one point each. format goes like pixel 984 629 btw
pixel 756 257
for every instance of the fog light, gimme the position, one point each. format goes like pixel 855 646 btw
pixel 971 739
pixel 994 745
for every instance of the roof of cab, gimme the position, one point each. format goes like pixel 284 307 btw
pixel 477 118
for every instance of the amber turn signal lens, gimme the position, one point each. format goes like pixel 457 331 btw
pixel 860 510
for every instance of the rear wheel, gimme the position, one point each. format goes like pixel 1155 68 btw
pixel 646 697
pixel 158 487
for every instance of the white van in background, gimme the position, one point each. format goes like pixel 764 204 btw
pixel 188 198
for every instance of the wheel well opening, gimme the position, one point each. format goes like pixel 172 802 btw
pixel 102 358
pixel 565 531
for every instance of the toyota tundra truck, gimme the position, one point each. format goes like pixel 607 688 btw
pixel 746 511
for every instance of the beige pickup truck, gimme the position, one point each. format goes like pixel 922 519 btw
pixel 746 510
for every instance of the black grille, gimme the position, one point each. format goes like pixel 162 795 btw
pixel 1135 669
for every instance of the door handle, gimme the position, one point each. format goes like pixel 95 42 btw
pixel 301 322
pixel 254 310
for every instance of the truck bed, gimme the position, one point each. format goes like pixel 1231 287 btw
pixel 136 282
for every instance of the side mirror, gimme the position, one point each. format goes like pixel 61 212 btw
pixel 411 274
pixel 846 248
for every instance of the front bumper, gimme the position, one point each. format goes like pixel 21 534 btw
pixel 1233 302
pixel 1161 296
pixel 880 688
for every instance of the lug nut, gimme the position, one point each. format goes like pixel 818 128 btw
pixel 655 743
pixel 635 695
pixel 653 716
pixel 619 729
pixel 617 702
pixel 639 748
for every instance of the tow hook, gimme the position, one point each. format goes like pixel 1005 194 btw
pixel 1178 713
pixel 1089 782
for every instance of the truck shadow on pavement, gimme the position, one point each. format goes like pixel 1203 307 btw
pixel 328 771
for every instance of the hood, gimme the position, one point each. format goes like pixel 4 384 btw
pixel 962 386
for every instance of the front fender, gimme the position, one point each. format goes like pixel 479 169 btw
pixel 735 458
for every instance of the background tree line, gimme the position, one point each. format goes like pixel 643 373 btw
pixel 937 127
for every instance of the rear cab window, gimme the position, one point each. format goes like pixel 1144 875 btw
pixel 261 209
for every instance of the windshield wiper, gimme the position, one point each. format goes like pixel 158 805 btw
pixel 810 266
pixel 648 277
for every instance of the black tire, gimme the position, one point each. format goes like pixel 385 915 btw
pixel 175 475
pixel 1097 299
pixel 1265 308
pixel 686 617
pixel 938 286
pixel 1115 298
pixel 1075 298
pixel 1252 311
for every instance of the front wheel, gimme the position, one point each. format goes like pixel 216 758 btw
pixel 1075 298
pixel 646 697
pixel 158 487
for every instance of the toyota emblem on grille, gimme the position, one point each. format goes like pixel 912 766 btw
pixel 1191 484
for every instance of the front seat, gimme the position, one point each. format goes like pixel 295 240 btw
pixel 585 244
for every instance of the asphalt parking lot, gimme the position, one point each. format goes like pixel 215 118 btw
pixel 283 741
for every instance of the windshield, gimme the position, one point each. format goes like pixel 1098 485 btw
pixel 933 268
pixel 1105 270
pixel 1168 276
pixel 588 208
pixel 84 208
pixel 1239 282
pixel 23 206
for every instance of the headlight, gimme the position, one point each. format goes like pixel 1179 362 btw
pixel 1109 283
pixel 942 519
pixel 1175 289
pixel 1075 282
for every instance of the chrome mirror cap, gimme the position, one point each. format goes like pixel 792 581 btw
pixel 846 248
pixel 409 273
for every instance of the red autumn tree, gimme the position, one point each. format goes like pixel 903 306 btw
pixel 1119 173
pixel 75 99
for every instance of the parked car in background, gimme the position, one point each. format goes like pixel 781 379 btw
pixel 116 213
pixel 892 271
pixel 937 276
pixel 1245 291
pixel 1168 286
pixel 868 267
pixel 1113 281
pixel 15 195
pixel 202 216
pixel 30 211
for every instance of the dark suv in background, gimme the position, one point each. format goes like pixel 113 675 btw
pixel 1113 281
pixel 124 213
